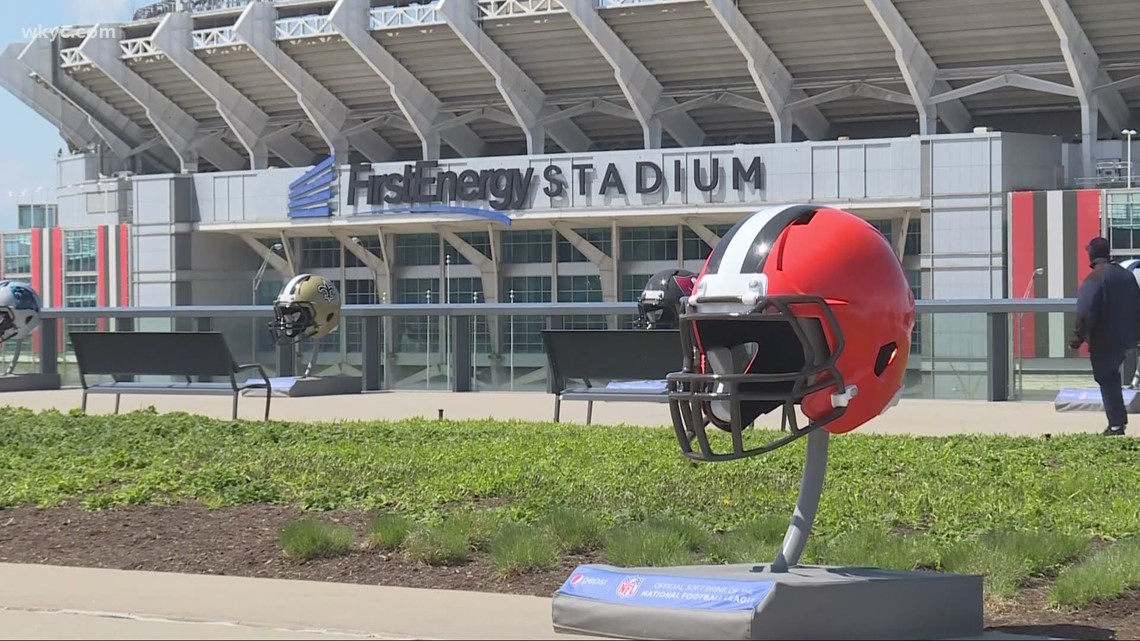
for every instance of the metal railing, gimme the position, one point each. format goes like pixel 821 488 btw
pixel 453 328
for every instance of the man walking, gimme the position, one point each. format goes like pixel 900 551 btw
pixel 1108 319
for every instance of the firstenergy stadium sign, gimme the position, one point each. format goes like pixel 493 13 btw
pixel 529 183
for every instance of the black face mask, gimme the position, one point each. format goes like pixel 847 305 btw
pixel 7 325
pixel 290 323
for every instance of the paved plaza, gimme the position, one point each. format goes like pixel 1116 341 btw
pixel 910 416
pixel 47 602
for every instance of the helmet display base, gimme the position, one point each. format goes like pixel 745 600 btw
pixel 302 386
pixel 748 601
pixel 1087 399
pixel 31 382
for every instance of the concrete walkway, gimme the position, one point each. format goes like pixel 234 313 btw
pixel 917 417
pixel 39 601
pixel 51 602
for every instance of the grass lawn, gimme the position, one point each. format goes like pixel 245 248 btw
pixel 527 493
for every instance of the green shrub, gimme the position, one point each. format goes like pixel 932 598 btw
pixel 517 549
pixel 309 539
pixel 388 531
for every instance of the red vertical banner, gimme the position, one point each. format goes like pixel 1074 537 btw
pixel 124 249
pixel 103 275
pixel 57 251
pixel 37 257
pixel 1022 266
pixel 1088 227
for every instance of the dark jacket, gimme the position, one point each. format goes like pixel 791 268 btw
pixel 1108 308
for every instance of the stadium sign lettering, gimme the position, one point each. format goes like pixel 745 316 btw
pixel 420 183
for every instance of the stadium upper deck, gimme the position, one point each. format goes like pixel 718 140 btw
pixel 233 84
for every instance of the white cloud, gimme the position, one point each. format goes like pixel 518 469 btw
pixel 86 12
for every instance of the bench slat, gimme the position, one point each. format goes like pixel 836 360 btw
pixel 175 354
pixel 638 358
pixel 196 354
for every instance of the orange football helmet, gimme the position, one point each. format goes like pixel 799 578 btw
pixel 796 305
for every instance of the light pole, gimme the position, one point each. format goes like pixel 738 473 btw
pixel 1020 316
pixel 257 283
pixel 447 320
pixel 1128 152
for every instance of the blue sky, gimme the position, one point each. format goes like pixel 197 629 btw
pixel 29 144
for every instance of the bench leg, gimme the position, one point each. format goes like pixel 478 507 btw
pixel 117 397
pixel 589 411
pixel 557 407
pixel 235 406
pixel 83 403
pixel 268 396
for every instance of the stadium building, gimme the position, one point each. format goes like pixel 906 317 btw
pixel 564 150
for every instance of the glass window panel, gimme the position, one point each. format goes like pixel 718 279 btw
pixel 357 292
pixel 414 332
pixel 581 289
pixel 468 290
pixel 649 243
pixel 523 334
pixel 529 246
pixel 320 253
pixel 417 249
pixel 81 291
pixel 81 247
pixel 18 254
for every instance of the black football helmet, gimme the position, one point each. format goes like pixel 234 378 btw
pixel 659 305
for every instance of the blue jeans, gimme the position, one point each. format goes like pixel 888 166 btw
pixel 1106 372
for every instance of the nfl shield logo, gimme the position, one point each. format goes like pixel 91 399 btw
pixel 628 586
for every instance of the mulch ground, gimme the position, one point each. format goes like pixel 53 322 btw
pixel 242 541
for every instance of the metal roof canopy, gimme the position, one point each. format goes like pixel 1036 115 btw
pixel 683 67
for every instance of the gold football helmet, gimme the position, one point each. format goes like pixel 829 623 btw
pixel 307 307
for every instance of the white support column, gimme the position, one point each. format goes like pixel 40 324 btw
pixel 605 264
pixel 386 293
pixel 898 233
pixel 257 27
pixel 703 232
pixel 488 268
pixel 420 106
pixel 524 98
pixel 1087 74
pixel 118 131
pixel 919 72
pixel 378 264
pixel 73 124
pixel 174 38
pixel 772 79
pixel 176 127
pixel 641 88
pixel 272 258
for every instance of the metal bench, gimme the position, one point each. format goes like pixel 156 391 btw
pixel 189 355
pixel 613 365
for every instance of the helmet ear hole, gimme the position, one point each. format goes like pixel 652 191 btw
pixel 887 354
